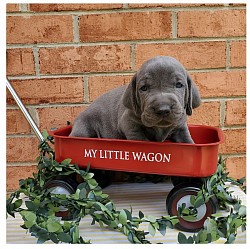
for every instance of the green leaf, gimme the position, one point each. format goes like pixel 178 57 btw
pixel 192 199
pixel 151 229
pixel 190 240
pixel 18 203
pixel 89 176
pixel 213 180
pixel 182 238
pixel 230 239
pixel 210 225
pixel 242 211
pixel 30 205
pixel 151 218
pixel 162 229
pixel 130 237
pixel 28 215
pixel 29 223
pixel 75 234
pixel 122 217
pixel 45 134
pixel 64 237
pixel 53 227
pixel 83 193
pixel 92 183
pixel 237 223
pixel 53 238
pixel 66 161
pixel 199 201
pixel 129 216
pixel 141 215
pixel 202 235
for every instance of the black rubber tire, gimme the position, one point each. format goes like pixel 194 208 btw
pixel 182 192
pixel 70 184
pixel 176 180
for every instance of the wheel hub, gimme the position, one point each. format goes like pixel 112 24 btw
pixel 198 213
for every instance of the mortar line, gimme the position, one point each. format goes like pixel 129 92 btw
pixel 33 113
pixel 36 60
pixel 174 25
pixel 133 57
pixel 124 42
pixel 51 105
pixel 86 88
pixel 24 7
pixel 233 127
pixel 38 106
pixel 76 28
pixel 30 135
pixel 222 112
pixel 114 73
pixel 234 155
pixel 228 55
pixel 21 164
pixel 125 6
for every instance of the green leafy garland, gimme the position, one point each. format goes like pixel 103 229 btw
pixel 39 212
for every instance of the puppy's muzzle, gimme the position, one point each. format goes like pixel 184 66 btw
pixel 162 110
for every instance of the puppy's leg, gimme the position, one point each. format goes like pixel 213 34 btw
pixel 82 129
pixel 182 135
pixel 135 134
pixel 130 126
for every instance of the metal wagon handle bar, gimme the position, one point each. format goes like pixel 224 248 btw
pixel 24 111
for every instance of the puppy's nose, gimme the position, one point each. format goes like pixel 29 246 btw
pixel 162 110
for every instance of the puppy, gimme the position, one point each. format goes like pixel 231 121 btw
pixel 153 107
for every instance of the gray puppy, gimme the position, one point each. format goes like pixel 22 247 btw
pixel 153 107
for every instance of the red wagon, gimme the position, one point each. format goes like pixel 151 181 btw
pixel 191 161
pixel 166 158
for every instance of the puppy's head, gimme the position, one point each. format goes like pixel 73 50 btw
pixel 161 93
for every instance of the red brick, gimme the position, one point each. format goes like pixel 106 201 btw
pixel 208 113
pixel 22 149
pixel 20 61
pixel 236 167
pixel 125 26
pixel 69 7
pixel 238 54
pixel 55 117
pixel 100 58
pixel 193 55
pixel 49 90
pixel 235 141
pixel 221 83
pixel 217 23
pixel 16 122
pixel 235 112
pixel 101 84
pixel 12 7
pixel 16 173
pixel 39 29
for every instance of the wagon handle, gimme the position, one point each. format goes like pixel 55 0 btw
pixel 24 111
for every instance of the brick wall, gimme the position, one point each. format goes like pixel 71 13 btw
pixel 60 57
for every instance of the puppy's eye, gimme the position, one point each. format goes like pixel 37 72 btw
pixel 144 88
pixel 178 85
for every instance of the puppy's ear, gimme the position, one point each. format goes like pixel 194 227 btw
pixel 130 98
pixel 193 96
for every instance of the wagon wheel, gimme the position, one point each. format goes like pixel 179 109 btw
pixel 176 180
pixel 181 194
pixel 103 177
pixel 63 185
